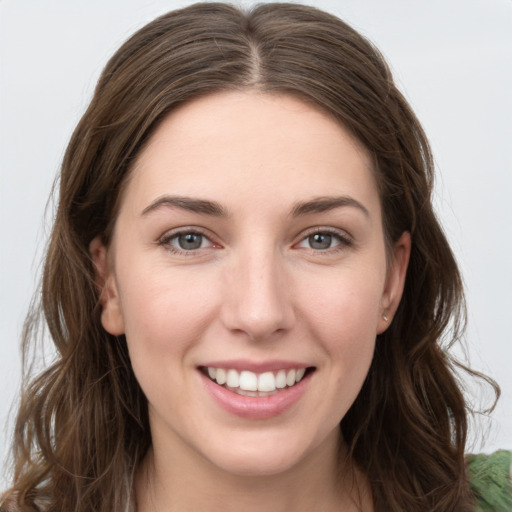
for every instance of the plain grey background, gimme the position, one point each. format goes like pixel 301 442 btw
pixel 451 58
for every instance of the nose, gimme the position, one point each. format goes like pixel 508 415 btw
pixel 258 302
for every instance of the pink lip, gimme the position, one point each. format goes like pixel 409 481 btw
pixel 256 407
pixel 255 366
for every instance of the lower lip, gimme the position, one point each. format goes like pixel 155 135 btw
pixel 256 407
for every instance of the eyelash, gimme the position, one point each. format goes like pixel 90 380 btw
pixel 344 240
pixel 165 240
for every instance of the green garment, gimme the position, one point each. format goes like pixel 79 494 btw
pixel 491 481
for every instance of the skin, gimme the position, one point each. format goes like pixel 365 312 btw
pixel 259 289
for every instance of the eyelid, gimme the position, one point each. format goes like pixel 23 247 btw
pixel 346 240
pixel 182 230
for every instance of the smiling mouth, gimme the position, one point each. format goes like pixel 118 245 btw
pixel 249 383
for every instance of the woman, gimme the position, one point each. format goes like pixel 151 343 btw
pixel 246 284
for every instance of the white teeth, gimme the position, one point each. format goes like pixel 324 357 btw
pixel 281 379
pixel 248 381
pixel 290 377
pixel 221 376
pixel 266 382
pixel 233 379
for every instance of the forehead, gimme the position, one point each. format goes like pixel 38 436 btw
pixel 250 145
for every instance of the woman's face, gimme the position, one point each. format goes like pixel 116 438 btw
pixel 249 247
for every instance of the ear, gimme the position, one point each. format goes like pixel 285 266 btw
pixel 111 312
pixel 395 281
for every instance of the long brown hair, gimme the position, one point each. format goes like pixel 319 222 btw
pixel 82 427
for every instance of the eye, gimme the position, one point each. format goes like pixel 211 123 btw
pixel 186 241
pixel 321 241
pixel 324 240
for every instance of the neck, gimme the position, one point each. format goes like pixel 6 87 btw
pixel 325 477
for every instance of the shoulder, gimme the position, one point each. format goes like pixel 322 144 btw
pixel 491 481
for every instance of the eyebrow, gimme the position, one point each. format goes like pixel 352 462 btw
pixel 206 207
pixel 324 204
pixel 187 203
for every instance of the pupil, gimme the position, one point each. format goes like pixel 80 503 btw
pixel 190 241
pixel 320 241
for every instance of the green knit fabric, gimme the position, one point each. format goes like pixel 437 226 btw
pixel 491 481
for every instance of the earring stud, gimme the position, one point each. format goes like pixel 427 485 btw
pixel 384 317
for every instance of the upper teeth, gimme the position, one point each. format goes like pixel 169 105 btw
pixel 250 381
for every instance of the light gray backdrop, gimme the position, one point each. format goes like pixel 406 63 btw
pixel 452 58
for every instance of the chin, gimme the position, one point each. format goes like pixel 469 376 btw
pixel 261 455
pixel 256 465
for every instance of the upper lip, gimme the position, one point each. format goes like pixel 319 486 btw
pixel 256 366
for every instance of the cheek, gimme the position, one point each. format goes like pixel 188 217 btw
pixel 165 313
pixel 342 317
pixel 345 306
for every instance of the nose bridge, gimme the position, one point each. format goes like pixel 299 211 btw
pixel 259 304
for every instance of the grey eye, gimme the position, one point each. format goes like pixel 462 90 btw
pixel 189 241
pixel 320 241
